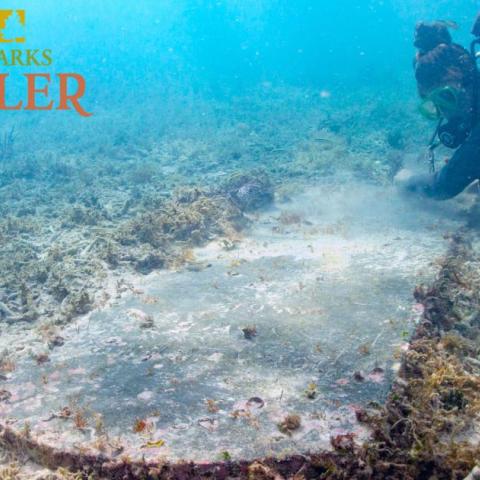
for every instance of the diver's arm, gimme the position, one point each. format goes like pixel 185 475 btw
pixel 461 170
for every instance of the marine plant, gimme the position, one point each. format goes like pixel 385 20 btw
pixel 80 419
pixel 290 423
pixel 10 472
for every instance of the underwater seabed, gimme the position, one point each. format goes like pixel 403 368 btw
pixel 261 348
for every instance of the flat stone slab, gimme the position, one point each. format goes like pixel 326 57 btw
pixel 304 317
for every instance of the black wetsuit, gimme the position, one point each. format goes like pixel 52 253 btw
pixel 449 64
pixel 460 171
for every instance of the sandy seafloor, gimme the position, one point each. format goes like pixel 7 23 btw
pixel 324 274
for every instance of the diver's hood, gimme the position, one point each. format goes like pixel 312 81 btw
pixel 430 35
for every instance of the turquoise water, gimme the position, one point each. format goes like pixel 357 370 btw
pixel 235 172
pixel 142 57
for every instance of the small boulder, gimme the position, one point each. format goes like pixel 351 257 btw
pixel 249 191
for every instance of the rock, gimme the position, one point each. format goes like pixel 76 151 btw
pixel 56 341
pixel 145 320
pixel 5 395
pixel 249 332
pixel 359 376
pixel 145 396
pixel 249 191
pixel 149 262
pixel 255 403
pixel 209 424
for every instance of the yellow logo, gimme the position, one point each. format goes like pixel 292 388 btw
pixel 12 26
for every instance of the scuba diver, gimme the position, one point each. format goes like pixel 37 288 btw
pixel 447 80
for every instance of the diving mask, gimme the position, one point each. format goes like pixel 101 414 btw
pixel 443 102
